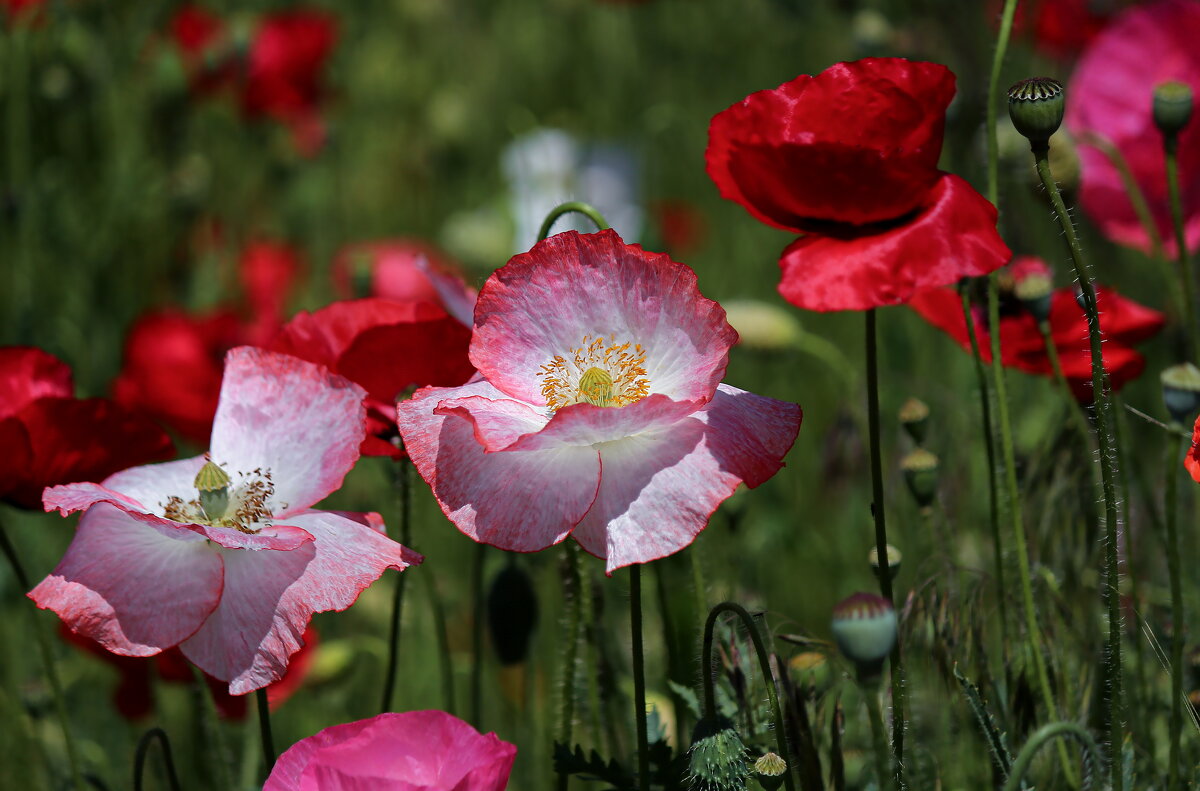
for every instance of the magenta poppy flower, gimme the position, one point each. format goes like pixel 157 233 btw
pixel 411 751
pixel 599 412
pixel 1110 95
pixel 221 554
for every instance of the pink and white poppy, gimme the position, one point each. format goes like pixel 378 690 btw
pixel 599 412
pixel 221 554
pixel 411 751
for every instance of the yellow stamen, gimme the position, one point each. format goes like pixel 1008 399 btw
pixel 599 372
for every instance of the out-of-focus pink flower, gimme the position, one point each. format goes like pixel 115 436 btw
pixel 48 437
pixel 228 539
pixel 269 272
pixel 410 751
pixel 1110 95
pixel 600 413
pixel 403 270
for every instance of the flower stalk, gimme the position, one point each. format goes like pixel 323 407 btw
pixel 572 207
pixel 264 727
pixel 1039 739
pixel 878 734
pixel 639 674
pixel 143 750
pixel 1174 447
pixel 571 622
pixel 404 495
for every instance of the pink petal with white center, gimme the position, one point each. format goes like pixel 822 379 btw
pixel 588 425
pixel 290 417
pixel 151 484
pixel 658 489
pixel 520 502
pixel 497 422
pixel 543 303
pixel 132 588
pixel 457 297
pixel 270 597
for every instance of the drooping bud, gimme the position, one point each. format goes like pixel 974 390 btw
pixel 1036 108
pixel 914 417
pixel 1181 392
pixel 1172 107
pixel 769 771
pixel 717 757
pixel 213 484
pixel 865 626
pixel 893 561
pixel 512 612
pixel 921 474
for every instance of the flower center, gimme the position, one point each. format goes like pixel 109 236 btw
pixel 221 502
pixel 600 372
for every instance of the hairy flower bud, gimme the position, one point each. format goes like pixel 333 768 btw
pixel 865 627
pixel 1181 392
pixel 717 757
pixel 1036 108
pixel 1172 107
pixel 770 770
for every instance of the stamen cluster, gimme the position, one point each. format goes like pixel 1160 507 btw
pixel 247 511
pixel 600 372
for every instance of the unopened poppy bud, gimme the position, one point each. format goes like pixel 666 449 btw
pixel 770 770
pixel 1181 392
pixel 1035 291
pixel 914 416
pixel 865 626
pixel 761 325
pixel 893 561
pixel 213 484
pixel 1036 108
pixel 717 757
pixel 921 474
pixel 1172 107
pixel 512 612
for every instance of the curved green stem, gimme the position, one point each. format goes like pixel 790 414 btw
pixel 576 207
pixel 764 664
pixel 1137 198
pixel 878 735
pixel 1112 655
pixel 143 749
pixel 48 665
pixel 1174 447
pixel 1040 738
pixel 993 146
pixel 566 684
pixel 264 727
pixel 1077 419
pixel 404 495
pixel 1187 281
pixel 639 675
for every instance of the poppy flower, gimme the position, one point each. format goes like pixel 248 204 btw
pixel 1192 460
pixel 1110 95
pixel 420 342
pixel 22 10
pixel 172 360
pixel 50 437
pixel 848 158
pixel 403 270
pixel 228 538
pixel 599 412
pixel 1123 321
pixel 409 751
pixel 1059 28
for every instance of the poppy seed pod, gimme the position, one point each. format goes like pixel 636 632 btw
pixel 717 757
pixel 769 771
pixel 1172 107
pixel 893 561
pixel 865 627
pixel 1036 108
pixel 1034 292
pixel 914 417
pixel 921 474
pixel 512 613
pixel 1181 391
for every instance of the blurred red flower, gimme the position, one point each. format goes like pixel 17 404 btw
pixel 1110 95
pixel 1123 321
pixel 1059 28
pixel 403 270
pixel 849 159
pixel 173 360
pixel 50 437
pixel 1192 460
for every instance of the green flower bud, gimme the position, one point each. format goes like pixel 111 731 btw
pixel 914 416
pixel 770 770
pixel 717 757
pixel 1172 107
pixel 921 474
pixel 1036 107
pixel 865 626
pixel 1181 392
pixel 893 561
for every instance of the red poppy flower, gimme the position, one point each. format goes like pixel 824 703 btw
pixel 403 270
pixel 1192 460
pixel 1123 321
pixel 1060 28
pixel 22 10
pixel 50 437
pixel 173 360
pixel 421 344
pixel 1110 95
pixel 849 158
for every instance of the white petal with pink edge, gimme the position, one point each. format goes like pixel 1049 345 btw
pixel 133 589
pixel 518 501
pixel 290 417
pixel 572 287
pixel 270 597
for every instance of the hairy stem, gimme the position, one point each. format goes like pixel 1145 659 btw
pixel 576 207
pixel 639 675
pixel 404 495
pixel 1174 446
pixel 143 750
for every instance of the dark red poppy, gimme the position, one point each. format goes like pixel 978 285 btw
pixel 403 270
pixel 174 361
pixel 134 695
pixel 1123 321
pixel 680 224
pixel 385 346
pixel 849 159
pixel 23 10
pixel 49 437
pixel 1192 460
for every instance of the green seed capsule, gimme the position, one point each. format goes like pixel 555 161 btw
pixel 1036 107
pixel 1172 107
